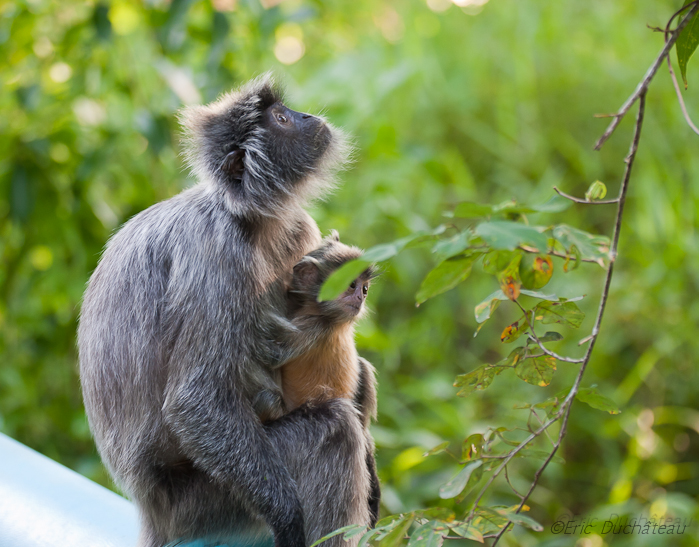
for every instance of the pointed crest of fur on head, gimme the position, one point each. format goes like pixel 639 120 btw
pixel 235 122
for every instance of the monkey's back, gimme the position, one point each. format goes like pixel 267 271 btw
pixel 164 265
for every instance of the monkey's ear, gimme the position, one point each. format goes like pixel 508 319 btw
pixel 307 271
pixel 334 236
pixel 233 164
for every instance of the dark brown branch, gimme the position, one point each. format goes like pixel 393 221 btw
pixel 584 201
pixel 643 85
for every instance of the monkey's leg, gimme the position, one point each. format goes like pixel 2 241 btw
pixel 325 448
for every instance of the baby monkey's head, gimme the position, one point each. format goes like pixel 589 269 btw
pixel 312 271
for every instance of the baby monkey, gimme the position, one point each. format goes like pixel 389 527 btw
pixel 330 366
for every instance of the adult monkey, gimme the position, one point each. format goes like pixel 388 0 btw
pixel 174 332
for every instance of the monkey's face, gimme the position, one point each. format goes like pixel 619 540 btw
pixel 295 141
pixel 352 300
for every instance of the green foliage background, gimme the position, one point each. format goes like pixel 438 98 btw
pixel 482 104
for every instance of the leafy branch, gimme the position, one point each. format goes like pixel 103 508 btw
pixel 519 256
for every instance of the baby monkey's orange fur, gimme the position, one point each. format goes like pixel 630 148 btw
pixel 331 367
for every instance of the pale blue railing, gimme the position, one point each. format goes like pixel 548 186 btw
pixel 43 504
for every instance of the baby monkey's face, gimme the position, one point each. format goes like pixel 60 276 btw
pixel 352 300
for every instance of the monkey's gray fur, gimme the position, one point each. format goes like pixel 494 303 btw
pixel 174 344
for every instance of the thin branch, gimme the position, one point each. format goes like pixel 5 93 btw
pixel 567 403
pixel 643 85
pixel 584 201
pixel 541 345
pixel 675 83
pixel 680 99
pixel 507 478
pixel 534 250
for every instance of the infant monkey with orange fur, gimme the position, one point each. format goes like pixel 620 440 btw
pixel 331 367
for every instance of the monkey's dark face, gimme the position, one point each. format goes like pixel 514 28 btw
pixel 295 138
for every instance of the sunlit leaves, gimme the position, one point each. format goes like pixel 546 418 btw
pixel 472 447
pixel 514 331
pixel 597 190
pixel 687 43
pixel 504 234
pixel 441 447
pixel 523 520
pixel 340 279
pixel 347 531
pixel 476 380
pixel 445 276
pixel 563 312
pixel 537 371
pixel 430 534
pixel 588 246
pixel 469 209
pixel 535 271
pixel 595 399
pixel 489 305
pixel 456 485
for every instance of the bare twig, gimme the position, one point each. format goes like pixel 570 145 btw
pixel 643 85
pixel 584 201
pixel 541 345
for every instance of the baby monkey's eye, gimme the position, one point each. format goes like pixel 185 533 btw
pixel 365 289
pixel 353 285
pixel 281 118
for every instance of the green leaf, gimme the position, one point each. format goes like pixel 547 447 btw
pixel 472 447
pixel 395 536
pixel 341 278
pixel 488 306
pixel 564 312
pixel 523 520
pixel 435 513
pixel 551 336
pixel 592 397
pixel 556 204
pixel 430 534
pixel 540 455
pixel 540 295
pixel 447 248
pixel 441 447
pixel 597 190
pixel 514 331
pixel 687 43
pixel 353 529
pixel 454 487
pixel 466 531
pixel 589 246
pixel 476 380
pixel 445 276
pixel 535 271
pixel 504 234
pixel 537 371
pixel 468 209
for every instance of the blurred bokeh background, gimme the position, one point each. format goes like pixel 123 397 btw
pixel 448 101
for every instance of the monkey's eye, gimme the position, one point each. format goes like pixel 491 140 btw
pixel 365 290
pixel 281 118
pixel 353 285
